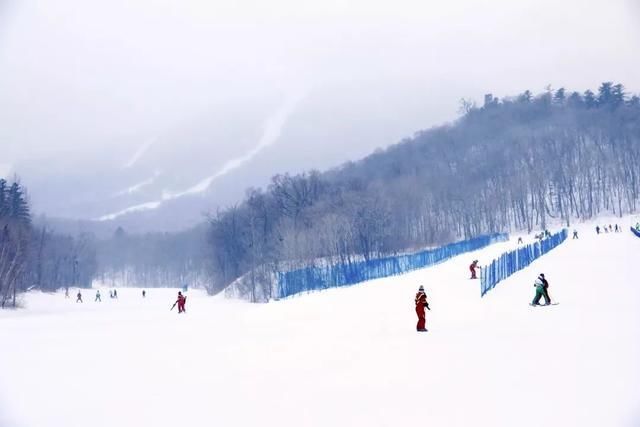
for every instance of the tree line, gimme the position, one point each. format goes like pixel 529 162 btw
pixel 153 259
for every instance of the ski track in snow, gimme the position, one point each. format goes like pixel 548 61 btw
pixel 139 153
pixel 343 357
pixel 137 187
pixel 272 130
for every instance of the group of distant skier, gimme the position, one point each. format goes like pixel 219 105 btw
pixel 541 285
pixel 181 301
pixel 113 294
pixel 609 229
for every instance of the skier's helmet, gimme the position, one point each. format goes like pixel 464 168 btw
pixel 421 288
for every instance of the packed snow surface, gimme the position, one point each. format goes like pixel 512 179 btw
pixel 342 357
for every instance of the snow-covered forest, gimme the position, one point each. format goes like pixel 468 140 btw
pixel 510 164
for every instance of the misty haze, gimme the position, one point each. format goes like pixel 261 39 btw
pixel 298 171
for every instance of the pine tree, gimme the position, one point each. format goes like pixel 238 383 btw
pixel 575 100
pixel 559 96
pixel 4 204
pixel 605 94
pixel 617 96
pixel 589 99
pixel 18 206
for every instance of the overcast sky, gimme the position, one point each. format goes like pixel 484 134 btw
pixel 97 80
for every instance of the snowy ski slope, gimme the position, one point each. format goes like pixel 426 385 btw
pixel 343 357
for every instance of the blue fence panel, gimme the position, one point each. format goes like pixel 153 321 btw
pixel 343 274
pixel 516 260
pixel 635 231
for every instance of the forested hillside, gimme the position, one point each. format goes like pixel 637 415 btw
pixel 514 163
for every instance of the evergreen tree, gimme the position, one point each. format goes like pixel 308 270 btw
pixel 559 96
pixel 18 206
pixel 617 96
pixel 575 100
pixel 589 99
pixel 634 101
pixel 605 94
pixel 4 204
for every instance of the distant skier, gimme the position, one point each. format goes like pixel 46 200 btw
pixel 519 240
pixel 144 293
pixel 98 298
pixel 115 294
pixel 616 228
pixel 421 303
pixel 181 301
pixel 606 230
pixel 66 293
pixel 79 297
pixel 597 229
pixel 473 267
pixel 575 234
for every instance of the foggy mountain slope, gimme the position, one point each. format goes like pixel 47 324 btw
pixel 104 109
pixel 159 169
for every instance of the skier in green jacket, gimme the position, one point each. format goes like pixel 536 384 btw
pixel 539 285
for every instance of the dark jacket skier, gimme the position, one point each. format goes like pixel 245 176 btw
pixel 79 297
pixel 547 298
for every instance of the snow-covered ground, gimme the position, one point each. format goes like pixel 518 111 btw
pixel 343 357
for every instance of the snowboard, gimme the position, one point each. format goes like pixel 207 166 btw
pixel 543 305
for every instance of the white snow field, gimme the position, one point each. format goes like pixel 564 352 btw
pixel 342 357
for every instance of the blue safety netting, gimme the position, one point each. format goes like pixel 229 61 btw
pixel 635 231
pixel 513 261
pixel 343 274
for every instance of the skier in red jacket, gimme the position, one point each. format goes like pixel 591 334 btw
pixel 421 303
pixel 181 301
pixel 473 267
